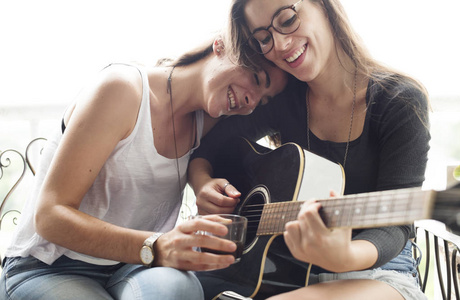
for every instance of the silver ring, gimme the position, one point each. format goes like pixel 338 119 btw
pixel 225 185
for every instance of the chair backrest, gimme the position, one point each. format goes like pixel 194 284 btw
pixel 14 166
pixel 440 260
pixel 12 170
pixel 33 153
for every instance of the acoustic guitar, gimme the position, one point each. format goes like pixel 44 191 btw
pixel 274 184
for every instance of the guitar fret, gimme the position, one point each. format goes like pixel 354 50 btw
pixel 402 207
pixel 282 217
pixel 356 211
pixel 295 210
pixel 275 216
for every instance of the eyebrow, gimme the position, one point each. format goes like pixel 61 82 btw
pixel 267 79
pixel 276 12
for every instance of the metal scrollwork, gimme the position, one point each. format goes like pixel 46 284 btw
pixel 6 159
pixel 13 167
pixel 442 246
pixel 35 143
pixel 188 207
pixel 185 211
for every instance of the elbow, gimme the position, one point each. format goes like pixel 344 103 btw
pixel 43 219
pixel 40 219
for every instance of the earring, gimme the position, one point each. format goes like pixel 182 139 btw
pixel 218 47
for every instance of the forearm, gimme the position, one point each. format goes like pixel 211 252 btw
pixel 199 172
pixel 82 233
pixel 362 255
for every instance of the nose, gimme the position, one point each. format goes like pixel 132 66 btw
pixel 251 101
pixel 280 41
pixel 259 90
pixel 253 97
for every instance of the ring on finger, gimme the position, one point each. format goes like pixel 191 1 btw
pixel 226 184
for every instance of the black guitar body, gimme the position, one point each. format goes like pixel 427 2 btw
pixel 289 174
pixel 263 269
pixel 278 274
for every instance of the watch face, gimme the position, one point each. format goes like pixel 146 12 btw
pixel 146 255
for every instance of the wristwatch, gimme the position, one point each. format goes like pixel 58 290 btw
pixel 147 253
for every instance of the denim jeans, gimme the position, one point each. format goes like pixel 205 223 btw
pixel 29 278
pixel 404 262
pixel 399 273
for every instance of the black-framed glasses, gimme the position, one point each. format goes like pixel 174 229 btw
pixel 284 21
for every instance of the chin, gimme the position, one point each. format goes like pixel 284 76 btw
pixel 216 115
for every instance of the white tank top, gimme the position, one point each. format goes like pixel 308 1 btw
pixel 136 188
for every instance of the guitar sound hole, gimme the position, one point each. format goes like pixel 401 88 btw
pixel 252 209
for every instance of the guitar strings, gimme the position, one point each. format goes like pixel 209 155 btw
pixel 360 212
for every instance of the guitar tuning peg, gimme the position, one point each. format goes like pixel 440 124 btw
pixel 456 173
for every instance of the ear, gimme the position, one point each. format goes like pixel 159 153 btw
pixel 218 46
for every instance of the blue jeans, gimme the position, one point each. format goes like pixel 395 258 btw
pixel 399 273
pixel 404 262
pixel 29 278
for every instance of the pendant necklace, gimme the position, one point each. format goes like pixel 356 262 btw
pixel 169 91
pixel 351 120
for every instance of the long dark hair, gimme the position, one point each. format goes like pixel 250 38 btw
pixel 189 57
pixel 345 38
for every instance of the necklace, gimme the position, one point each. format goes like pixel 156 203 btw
pixel 193 138
pixel 169 91
pixel 351 120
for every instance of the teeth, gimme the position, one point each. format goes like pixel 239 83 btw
pixel 296 55
pixel 231 98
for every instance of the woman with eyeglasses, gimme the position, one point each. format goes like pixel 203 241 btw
pixel 344 106
pixel 101 222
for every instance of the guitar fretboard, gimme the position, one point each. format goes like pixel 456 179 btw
pixel 364 210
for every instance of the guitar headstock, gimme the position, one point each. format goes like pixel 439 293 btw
pixel 447 208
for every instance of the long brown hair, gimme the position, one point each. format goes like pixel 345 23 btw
pixel 345 38
pixel 190 57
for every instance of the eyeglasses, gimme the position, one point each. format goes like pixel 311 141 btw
pixel 284 21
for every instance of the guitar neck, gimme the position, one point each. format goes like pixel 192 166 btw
pixel 364 210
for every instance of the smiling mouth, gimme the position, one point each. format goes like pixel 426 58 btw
pixel 231 98
pixel 296 54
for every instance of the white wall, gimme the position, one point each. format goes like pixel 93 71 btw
pixel 49 49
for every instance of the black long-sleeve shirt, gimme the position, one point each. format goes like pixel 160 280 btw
pixel 391 152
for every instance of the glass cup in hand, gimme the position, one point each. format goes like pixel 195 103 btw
pixel 236 233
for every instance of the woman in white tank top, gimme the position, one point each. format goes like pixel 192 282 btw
pixel 110 182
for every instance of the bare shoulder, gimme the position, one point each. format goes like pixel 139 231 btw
pixel 121 83
pixel 112 98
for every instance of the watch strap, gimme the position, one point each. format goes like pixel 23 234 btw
pixel 150 242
